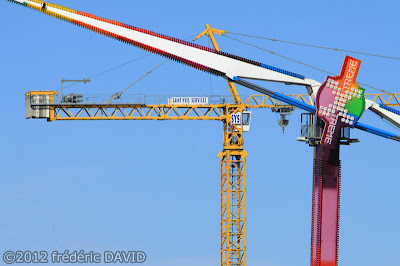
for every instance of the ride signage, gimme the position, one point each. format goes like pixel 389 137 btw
pixel 340 102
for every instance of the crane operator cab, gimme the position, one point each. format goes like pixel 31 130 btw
pixel 246 120
pixel 241 120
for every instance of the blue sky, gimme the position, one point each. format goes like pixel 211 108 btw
pixel 154 186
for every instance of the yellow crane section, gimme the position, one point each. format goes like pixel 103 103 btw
pixel 210 32
pixel 133 111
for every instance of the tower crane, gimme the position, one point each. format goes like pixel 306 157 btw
pixel 333 107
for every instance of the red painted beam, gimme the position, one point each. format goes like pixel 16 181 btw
pixel 325 207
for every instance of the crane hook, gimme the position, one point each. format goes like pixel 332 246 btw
pixel 283 122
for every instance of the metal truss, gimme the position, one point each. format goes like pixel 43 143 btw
pixel 392 100
pixel 265 101
pixel 126 111
pixel 123 111
pixel 233 207
pixel 138 112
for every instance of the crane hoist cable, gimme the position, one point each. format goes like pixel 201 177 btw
pixel 111 69
pixel 273 53
pixel 118 95
pixel 121 65
pixel 315 46
pixel 302 63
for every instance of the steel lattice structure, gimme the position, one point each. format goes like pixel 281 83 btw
pixel 233 207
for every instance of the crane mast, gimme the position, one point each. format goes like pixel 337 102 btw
pixel 237 70
pixel 233 180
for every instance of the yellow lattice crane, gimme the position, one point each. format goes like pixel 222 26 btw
pixel 41 104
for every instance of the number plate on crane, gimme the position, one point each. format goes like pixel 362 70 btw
pixel 236 119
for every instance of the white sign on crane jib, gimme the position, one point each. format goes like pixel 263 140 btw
pixel 188 100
